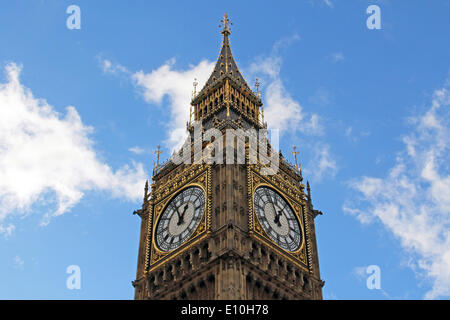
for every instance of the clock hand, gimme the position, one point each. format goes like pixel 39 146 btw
pixel 180 217
pixel 270 200
pixel 184 210
pixel 277 218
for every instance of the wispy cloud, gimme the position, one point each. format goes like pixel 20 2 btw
pixel 177 86
pixel 413 200
pixel 7 230
pixel 355 136
pixel 166 81
pixel 337 57
pixel 281 110
pixel 18 263
pixel 321 97
pixel 112 68
pixel 47 158
pixel 322 163
pixel 137 150
pixel 328 3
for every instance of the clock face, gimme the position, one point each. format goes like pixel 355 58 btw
pixel 277 219
pixel 180 218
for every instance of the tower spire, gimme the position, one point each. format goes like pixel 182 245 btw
pixel 225 65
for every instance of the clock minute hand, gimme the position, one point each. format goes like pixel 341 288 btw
pixel 184 210
pixel 270 200
pixel 277 216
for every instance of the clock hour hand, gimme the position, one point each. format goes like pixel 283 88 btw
pixel 181 216
pixel 277 218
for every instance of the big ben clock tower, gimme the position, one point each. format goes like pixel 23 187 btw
pixel 215 230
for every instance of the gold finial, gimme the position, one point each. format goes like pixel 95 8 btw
pixel 158 152
pixel 295 153
pixel 257 84
pixel 195 83
pixel 225 21
pixel 194 93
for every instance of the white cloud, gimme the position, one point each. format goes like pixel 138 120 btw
pixel 321 97
pixel 137 150
pixel 360 273
pixel 322 164
pixel 7 230
pixel 413 200
pixel 18 263
pixel 112 68
pixel 281 110
pixel 48 158
pixel 355 136
pixel 328 3
pixel 337 56
pixel 177 86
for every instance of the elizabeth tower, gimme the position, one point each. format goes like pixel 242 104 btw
pixel 211 230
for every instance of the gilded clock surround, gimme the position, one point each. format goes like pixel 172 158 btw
pixel 201 180
pixel 299 256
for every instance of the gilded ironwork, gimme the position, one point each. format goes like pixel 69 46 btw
pixel 299 256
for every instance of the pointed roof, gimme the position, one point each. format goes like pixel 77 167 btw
pixel 225 65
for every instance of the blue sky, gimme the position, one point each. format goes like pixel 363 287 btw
pixel 82 111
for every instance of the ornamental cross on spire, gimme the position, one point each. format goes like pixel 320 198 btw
pixel 158 152
pixel 195 84
pixel 225 21
pixel 295 153
pixel 257 84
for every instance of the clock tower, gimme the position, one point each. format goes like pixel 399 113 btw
pixel 219 225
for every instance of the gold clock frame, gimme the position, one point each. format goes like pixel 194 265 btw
pixel 300 257
pixel 155 256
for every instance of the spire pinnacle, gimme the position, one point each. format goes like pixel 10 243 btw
pixel 146 191
pixel 308 190
pixel 224 23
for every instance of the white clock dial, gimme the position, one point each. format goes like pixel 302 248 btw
pixel 277 219
pixel 180 218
